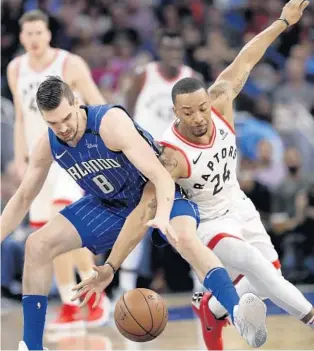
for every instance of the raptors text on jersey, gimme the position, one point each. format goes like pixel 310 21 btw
pixel 212 182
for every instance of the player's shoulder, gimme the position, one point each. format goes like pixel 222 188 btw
pixel 141 70
pixel 14 64
pixel 73 61
pixel 13 70
pixel 115 115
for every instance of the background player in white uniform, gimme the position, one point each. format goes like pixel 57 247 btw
pixel 25 73
pixel 149 101
pixel 200 153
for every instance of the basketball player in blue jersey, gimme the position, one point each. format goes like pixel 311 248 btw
pixel 111 158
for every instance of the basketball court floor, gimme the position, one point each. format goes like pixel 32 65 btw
pixel 183 332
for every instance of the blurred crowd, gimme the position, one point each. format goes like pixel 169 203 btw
pixel 274 114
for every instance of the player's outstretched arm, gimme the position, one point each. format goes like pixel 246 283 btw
pixel 231 81
pixel 78 75
pixel 20 148
pixel 131 233
pixel 135 226
pixel 36 174
pixel 119 134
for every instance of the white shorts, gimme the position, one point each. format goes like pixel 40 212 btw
pixel 60 189
pixel 242 222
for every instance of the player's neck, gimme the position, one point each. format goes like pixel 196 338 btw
pixel 39 63
pixel 81 128
pixel 168 72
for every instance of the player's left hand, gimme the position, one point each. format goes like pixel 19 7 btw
pixel 164 226
pixel 96 284
pixel 293 10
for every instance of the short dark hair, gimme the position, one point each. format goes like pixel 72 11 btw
pixel 186 86
pixel 51 92
pixel 34 15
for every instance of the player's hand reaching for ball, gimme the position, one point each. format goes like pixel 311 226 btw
pixel 293 10
pixel 96 284
pixel 165 227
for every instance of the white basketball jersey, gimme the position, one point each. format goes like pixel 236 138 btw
pixel 212 182
pixel 28 82
pixel 153 110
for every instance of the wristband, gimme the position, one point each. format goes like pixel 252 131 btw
pixel 284 20
pixel 111 265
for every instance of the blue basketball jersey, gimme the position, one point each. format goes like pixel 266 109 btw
pixel 106 174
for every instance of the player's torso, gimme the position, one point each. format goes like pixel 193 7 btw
pixel 212 183
pixel 99 171
pixel 153 110
pixel 28 82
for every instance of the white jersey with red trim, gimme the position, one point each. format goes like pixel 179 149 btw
pixel 153 109
pixel 28 82
pixel 212 182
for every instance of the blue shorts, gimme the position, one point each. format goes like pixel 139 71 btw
pixel 99 224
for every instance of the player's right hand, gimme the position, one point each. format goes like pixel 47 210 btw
pixel 293 10
pixel 96 284
pixel 165 227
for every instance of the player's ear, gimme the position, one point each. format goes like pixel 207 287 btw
pixel 21 37
pixel 174 111
pixel 49 36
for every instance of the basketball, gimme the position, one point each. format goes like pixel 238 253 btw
pixel 141 315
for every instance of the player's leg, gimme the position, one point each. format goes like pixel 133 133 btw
pixel 212 327
pixel 79 224
pixel 264 277
pixel 56 237
pixel 295 303
pixel 66 191
pixel 214 277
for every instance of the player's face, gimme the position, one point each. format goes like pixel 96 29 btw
pixel 64 120
pixel 171 52
pixel 193 110
pixel 35 37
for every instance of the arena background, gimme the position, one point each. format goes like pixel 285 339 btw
pixel 274 117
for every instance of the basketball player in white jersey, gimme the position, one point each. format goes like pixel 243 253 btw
pixel 25 73
pixel 148 98
pixel 202 144
pixel 200 153
pixel 149 101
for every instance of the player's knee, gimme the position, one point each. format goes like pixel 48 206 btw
pixel 244 255
pixel 38 247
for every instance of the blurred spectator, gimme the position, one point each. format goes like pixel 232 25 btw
pixel 295 88
pixel 288 210
pixel 141 18
pixel 257 192
pixel 10 14
pixel 259 142
pixel 307 247
pixel 285 199
pixel 55 25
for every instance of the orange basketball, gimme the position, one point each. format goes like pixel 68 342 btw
pixel 141 315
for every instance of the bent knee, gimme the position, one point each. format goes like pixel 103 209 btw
pixel 37 245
